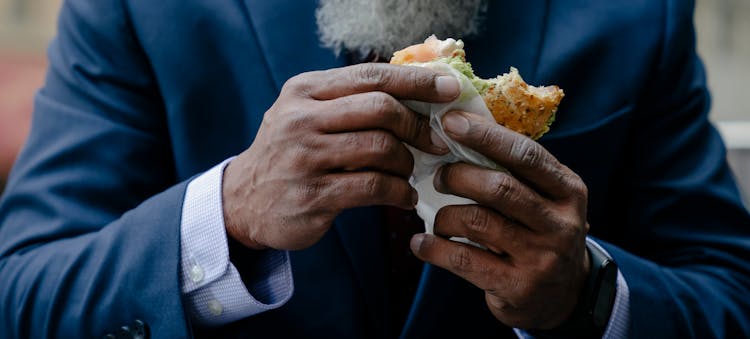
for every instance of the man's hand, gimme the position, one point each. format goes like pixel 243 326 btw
pixel 532 221
pixel 331 141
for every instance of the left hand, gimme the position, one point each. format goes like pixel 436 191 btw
pixel 532 221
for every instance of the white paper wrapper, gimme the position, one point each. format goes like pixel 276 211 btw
pixel 425 164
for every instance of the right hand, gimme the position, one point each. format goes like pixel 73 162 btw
pixel 331 141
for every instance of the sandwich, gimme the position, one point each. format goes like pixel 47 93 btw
pixel 513 103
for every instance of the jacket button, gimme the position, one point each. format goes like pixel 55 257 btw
pixel 137 330
pixel 123 333
pixel 140 330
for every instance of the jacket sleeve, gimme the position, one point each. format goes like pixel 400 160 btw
pixel 89 222
pixel 683 234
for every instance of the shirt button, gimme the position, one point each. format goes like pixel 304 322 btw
pixel 196 274
pixel 215 307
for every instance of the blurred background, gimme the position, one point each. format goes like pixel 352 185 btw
pixel 26 26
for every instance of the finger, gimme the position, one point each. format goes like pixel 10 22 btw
pixel 479 267
pixel 374 149
pixel 521 155
pixel 403 82
pixel 498 190
pixel 483 226
pixel 374 110
pixel 339 191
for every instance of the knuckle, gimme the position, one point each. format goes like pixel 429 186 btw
pixel 487 137
pixel 299 84
pixel 302 156
pixel 372 184
pixel 348 101
pixel 385 107
pixel 577 231
pixel 311 190
pixel 460 260
pixel 549 213
pixel 570 223
pixel 478 223
pixel 380 102
pixel 298 120
pixel 354 139
pixel 370 76
pixel 566 221
pixel 578 187
pixel 502 187
pixel 528 152
pixel 292 84
pixel 373 101
pixel 381 143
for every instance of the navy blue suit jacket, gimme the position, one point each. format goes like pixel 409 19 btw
pixel 142 95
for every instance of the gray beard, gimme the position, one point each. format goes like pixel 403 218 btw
pixel 385 26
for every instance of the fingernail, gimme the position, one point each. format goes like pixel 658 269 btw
pixel 447 86
pixel 416 242
pixel 414 198
pixel 438 141
pixel 437 180
pixel 456 123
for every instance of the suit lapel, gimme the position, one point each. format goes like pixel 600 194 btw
pixel 287 34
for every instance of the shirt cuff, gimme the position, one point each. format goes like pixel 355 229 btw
pixel 214 291
pixel 619 321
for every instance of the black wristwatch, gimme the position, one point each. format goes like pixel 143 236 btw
pixel 591 315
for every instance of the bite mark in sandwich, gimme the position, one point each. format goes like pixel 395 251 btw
pixel 513 103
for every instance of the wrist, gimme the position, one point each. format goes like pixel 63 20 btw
pixel 591 314
pixel 238 235
pixel 236 229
